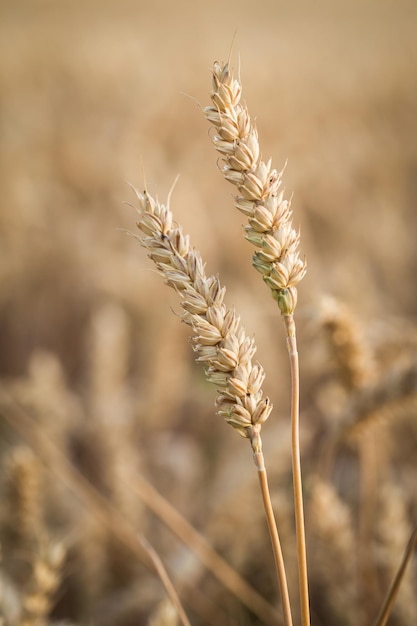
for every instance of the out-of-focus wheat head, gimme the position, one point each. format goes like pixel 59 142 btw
pixel 111 407
pixel 46 576
pixel 333 556
pixel 392 534
pixel 260 198
pixel 164 615
pixel 24 486
pixel 347 343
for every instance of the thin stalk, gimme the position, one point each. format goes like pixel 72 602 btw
pixel 202 549
pixel 388 604
pixel 273 533
pixel 368 459
pixel 296 470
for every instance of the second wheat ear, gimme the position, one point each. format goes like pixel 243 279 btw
pixel 276 257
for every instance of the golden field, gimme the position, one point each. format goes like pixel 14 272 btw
pixel 95 365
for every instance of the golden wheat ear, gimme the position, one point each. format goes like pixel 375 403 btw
pixel 220 343
pixel 37 600
pixel 277 258
pixel 260 196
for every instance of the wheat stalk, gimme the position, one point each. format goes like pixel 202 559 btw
pixel 392 593
pixel 270 230
pixel 394 529
pixel 220 343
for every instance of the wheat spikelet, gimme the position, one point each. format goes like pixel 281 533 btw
pixel 219 339
pixel 46 576
pixel 260 198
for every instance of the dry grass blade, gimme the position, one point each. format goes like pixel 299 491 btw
pixel 202 549
pixel 388 604
pixel 163 575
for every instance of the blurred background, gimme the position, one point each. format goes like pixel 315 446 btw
pixel 95 95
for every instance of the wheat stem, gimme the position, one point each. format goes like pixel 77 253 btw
pixel 296 469
pixel 388 604
pixel 219 340
pixel 273 533
pixel 276 257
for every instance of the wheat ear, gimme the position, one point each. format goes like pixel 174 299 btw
pixel 220 343
pixel 24 486
pixel 46 577
pixel 335 556
pixel 276 257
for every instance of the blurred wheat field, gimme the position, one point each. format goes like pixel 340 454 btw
pixel 91 355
